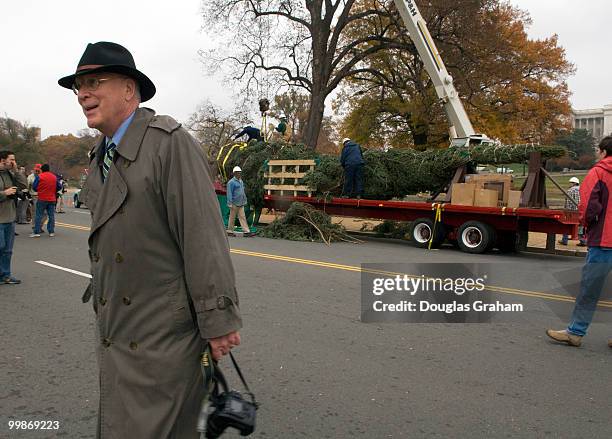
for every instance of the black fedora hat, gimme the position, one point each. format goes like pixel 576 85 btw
pixel 110 57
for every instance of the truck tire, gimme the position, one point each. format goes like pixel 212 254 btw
pixel 421 231
pixel 475 237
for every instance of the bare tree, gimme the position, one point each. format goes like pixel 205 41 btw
pixel 297 43
pixel 213 126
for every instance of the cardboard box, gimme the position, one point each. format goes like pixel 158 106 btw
pixel 502 183
pixel 463 194
pixel 514 198
pixel 473 178
pixel 485 197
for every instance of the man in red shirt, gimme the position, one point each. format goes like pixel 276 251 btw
pixel 47 185
pixel 596 215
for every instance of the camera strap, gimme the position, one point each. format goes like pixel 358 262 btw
pixel 246 386
pixel 208 370
pixel 212 375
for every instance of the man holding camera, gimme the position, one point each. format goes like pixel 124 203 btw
pixel 11 182
pixel 163 283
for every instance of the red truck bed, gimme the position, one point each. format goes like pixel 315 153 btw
pixel 501 218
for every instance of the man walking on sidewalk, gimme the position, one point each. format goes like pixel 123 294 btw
pixel 47 186
pixel 596 216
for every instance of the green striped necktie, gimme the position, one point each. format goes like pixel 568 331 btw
pixel 108 160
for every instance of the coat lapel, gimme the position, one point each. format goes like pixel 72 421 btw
pixel 114 191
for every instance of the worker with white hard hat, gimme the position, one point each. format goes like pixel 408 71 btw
pixel 236 200
pixel 352 162
pixel 574 193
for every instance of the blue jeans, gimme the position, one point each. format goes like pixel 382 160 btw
pixel 594 274
pixel 7 239
pixel 41 208
pixel 581 236
pixel 353 180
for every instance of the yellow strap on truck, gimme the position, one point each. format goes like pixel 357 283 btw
pixel 437 218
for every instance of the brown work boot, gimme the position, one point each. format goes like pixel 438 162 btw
pixel 563 336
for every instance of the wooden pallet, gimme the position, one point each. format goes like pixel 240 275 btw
pixel 289 172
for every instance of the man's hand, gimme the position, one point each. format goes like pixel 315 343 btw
pixel 10 191
pixel 221 346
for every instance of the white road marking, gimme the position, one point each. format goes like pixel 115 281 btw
pixel 58 267
pixel 83 212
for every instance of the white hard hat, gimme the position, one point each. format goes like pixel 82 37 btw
pixel 236 169
pixel 574 180
pixel 346 139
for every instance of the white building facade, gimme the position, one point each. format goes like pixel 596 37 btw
pixel 597 121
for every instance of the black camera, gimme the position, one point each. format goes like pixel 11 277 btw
pixel 230 409
pixel 221 410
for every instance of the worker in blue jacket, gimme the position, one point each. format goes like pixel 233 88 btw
pixel 352 162
pixel 251 132
pixel 236 200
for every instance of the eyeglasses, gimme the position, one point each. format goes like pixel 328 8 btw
pixel 90 84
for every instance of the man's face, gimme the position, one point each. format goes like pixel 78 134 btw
pixel 238 174
pixel 600 154
pixel 105 106
pixel 8 163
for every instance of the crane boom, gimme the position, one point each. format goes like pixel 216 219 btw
pixel 461 127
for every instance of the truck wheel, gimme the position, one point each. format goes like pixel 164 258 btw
pixel 475 237
pixel 421 232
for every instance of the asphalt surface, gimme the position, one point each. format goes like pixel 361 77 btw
pixel 318 371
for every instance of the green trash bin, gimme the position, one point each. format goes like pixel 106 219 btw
pixel 252 215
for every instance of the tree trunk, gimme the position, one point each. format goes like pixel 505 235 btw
pixel 315 117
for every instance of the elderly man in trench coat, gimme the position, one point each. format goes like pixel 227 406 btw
pixel 162 279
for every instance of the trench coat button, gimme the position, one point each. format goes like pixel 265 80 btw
pixel 118 257
pixel 133 345
pixel 221 302
pixel 127 300
pixel 106 342
pixel 102 301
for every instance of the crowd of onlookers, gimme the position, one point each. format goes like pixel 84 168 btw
pixel 27 200
pixel 24 199
pixel 44 195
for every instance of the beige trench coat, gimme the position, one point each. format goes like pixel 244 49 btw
pixel 159 257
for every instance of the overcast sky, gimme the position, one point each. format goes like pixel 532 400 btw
pixel 43 40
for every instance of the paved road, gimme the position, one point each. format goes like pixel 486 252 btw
pixel 318 371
